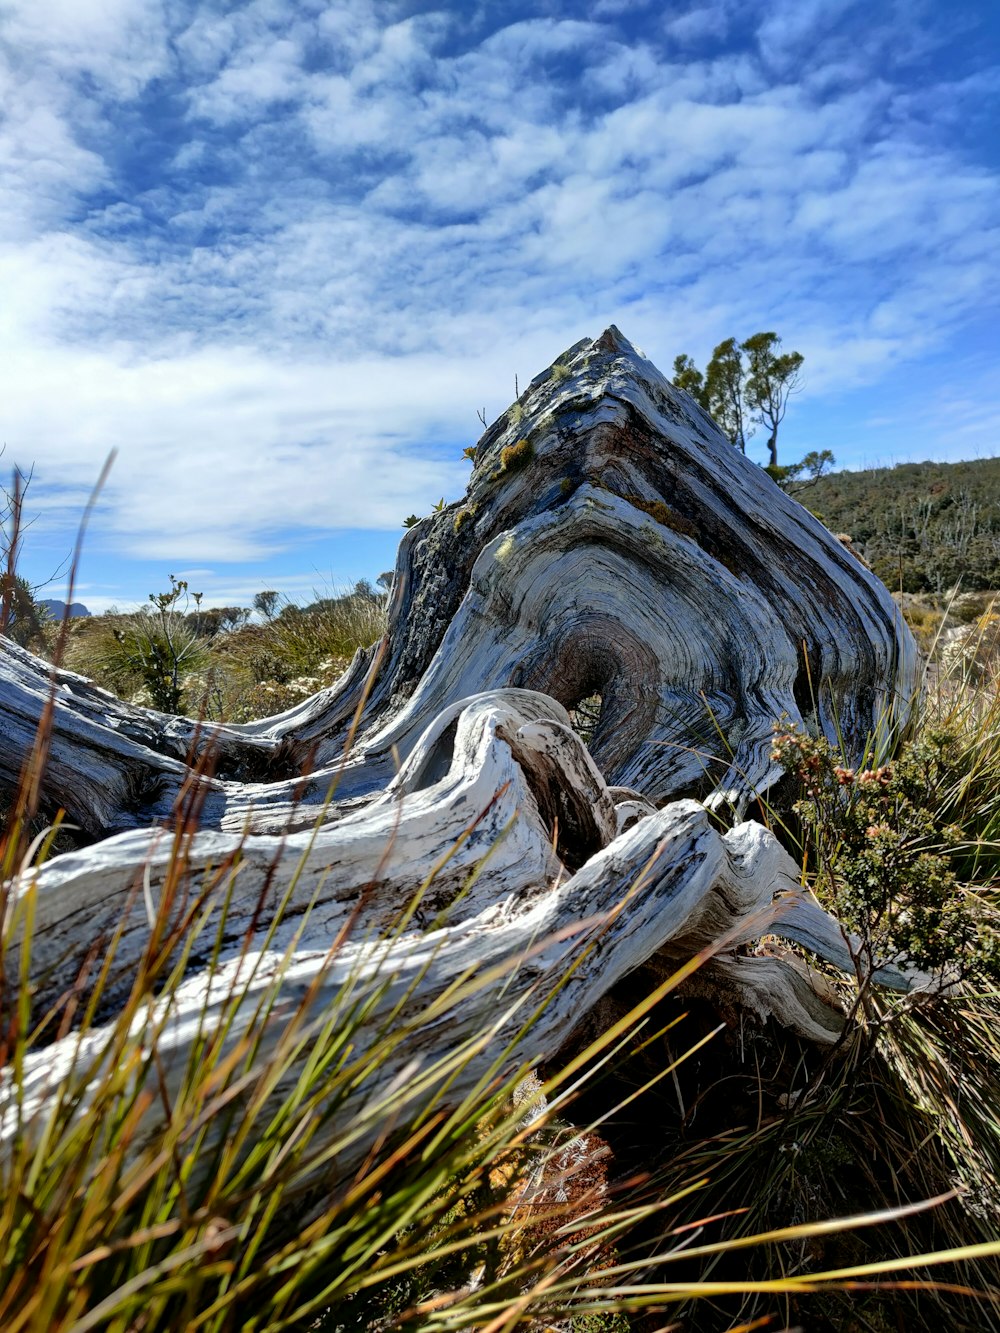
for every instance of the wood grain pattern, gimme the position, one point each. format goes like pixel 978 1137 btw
pixel 611 544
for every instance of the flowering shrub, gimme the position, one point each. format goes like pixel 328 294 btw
pixel 883 855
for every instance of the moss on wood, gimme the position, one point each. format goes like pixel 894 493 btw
pixel 516 457
pixel 665 515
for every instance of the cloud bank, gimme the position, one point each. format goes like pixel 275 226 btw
pixel 279 256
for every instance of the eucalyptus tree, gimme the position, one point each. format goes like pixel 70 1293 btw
pixel 745 385
pixel 772 377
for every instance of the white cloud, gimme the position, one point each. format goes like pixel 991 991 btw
pixel 698 25
pixel 789 26
pixel 222 452
pixel 330 232
pixel 43 169
pixel 616 8
pixel 118 43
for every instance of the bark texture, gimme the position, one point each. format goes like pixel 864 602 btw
pixel 611 544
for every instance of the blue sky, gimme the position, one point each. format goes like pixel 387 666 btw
pixel 280 253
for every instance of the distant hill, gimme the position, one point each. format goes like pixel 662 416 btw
pixel 57 609
pixel 921 526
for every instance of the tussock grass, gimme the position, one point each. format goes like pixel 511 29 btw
pixel 967 703
pixel 498 1212
pixel 494 1213
pixel 782 1141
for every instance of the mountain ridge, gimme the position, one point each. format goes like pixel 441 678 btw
pixel 57 608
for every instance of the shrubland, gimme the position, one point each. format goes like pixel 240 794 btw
pixel 923 527
pixel 217 662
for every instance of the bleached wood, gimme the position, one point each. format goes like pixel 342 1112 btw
pixel 671 886
pixel 635 555
pixel 626 551
pixel 660 888
pixel 473 812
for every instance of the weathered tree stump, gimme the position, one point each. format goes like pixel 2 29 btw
pixel 611 545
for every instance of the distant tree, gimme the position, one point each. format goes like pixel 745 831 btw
pixel 721 390
pixel 772 377
pixel 411 521
pixel 797 477
pixel 744 385
pixel 725 389
pixel 266 602
pixel 215 620
pixel 688 377
pixel 22 618
pixel 384 580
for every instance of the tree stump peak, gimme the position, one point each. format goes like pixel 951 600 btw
pixel 612 553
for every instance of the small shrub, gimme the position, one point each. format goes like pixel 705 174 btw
pixel 969 607
pixel 883 855
pixel 21 618
pixel 146 657
pixel 925 624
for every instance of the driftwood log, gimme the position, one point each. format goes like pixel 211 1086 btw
pixel 613 547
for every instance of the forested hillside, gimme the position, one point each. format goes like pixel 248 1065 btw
pixel 921 526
